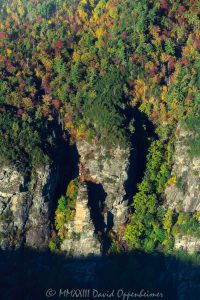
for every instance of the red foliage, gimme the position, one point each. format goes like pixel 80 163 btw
pixel 46 112
pixel 184 62
pixel 70 90
pixel 48 89
pixel 171 64
pixel 181 8
pixel 191 97
pixel 116 60
pixel 79 85
pixel 22 87
pixel 3 34
pixel 182 21
pixel 153 70
pixel 32 40
pixel 59 45
pixel 164 4
pixel 2 110
pixel 56 103
pixel 20 112
pixel 39 18
pixel 135 14
pixel 9 66
pixel 124 35
pixel 93 63
pixel 45 84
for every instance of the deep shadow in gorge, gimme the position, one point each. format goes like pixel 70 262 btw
pixel 29 274
pixel 66 161
pixel 140 140
pixel 96 202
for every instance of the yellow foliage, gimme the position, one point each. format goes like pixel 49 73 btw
pixel 80 131
pixel 82 13
pixel 59 219
pixel 172 180
pixel 8 10
pixel 86 58
pixel 50 118
pixel 39 73
pixel 164 88
pixel 149 65
pixel 92 94
pixel 76 55
pixel 99 32
pixel 113 13
pixel 16 18
pixel 197 215
pixel 69 125
pixel 47 62
pixel 152 100
pixel 164 57
pixel 8 51
pixel 71 189
pixel 21 11
pixel 167 222
pixel 181 219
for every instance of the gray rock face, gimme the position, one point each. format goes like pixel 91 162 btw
pixel 24 213
pixel 81 237
pixel 107 175
pixel 97 166
pixel 185 194
pixel 187 243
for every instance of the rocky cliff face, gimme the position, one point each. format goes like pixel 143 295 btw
pixel 109 174
pixel 187 243
pixel 82 240
pixel 101 203
pixel 25 208
pixel 185 194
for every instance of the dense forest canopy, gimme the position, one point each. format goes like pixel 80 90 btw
pixel 85 63
pixel 91 59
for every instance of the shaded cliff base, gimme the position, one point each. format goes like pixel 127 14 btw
pixel 28 274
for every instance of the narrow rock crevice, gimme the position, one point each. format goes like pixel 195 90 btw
pixel 143 135
pixel 66 161
pixel 96 203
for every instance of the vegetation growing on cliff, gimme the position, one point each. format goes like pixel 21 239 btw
pixel 84 64
pixel 65 213
pixel 152 226
pixel 193 125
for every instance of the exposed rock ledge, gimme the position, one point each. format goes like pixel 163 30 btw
pixel 103 178
pixel 111 172
pixel 82 239
pixel 187 243
pixel 184 196
pixel 25 212
pixel 25 207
